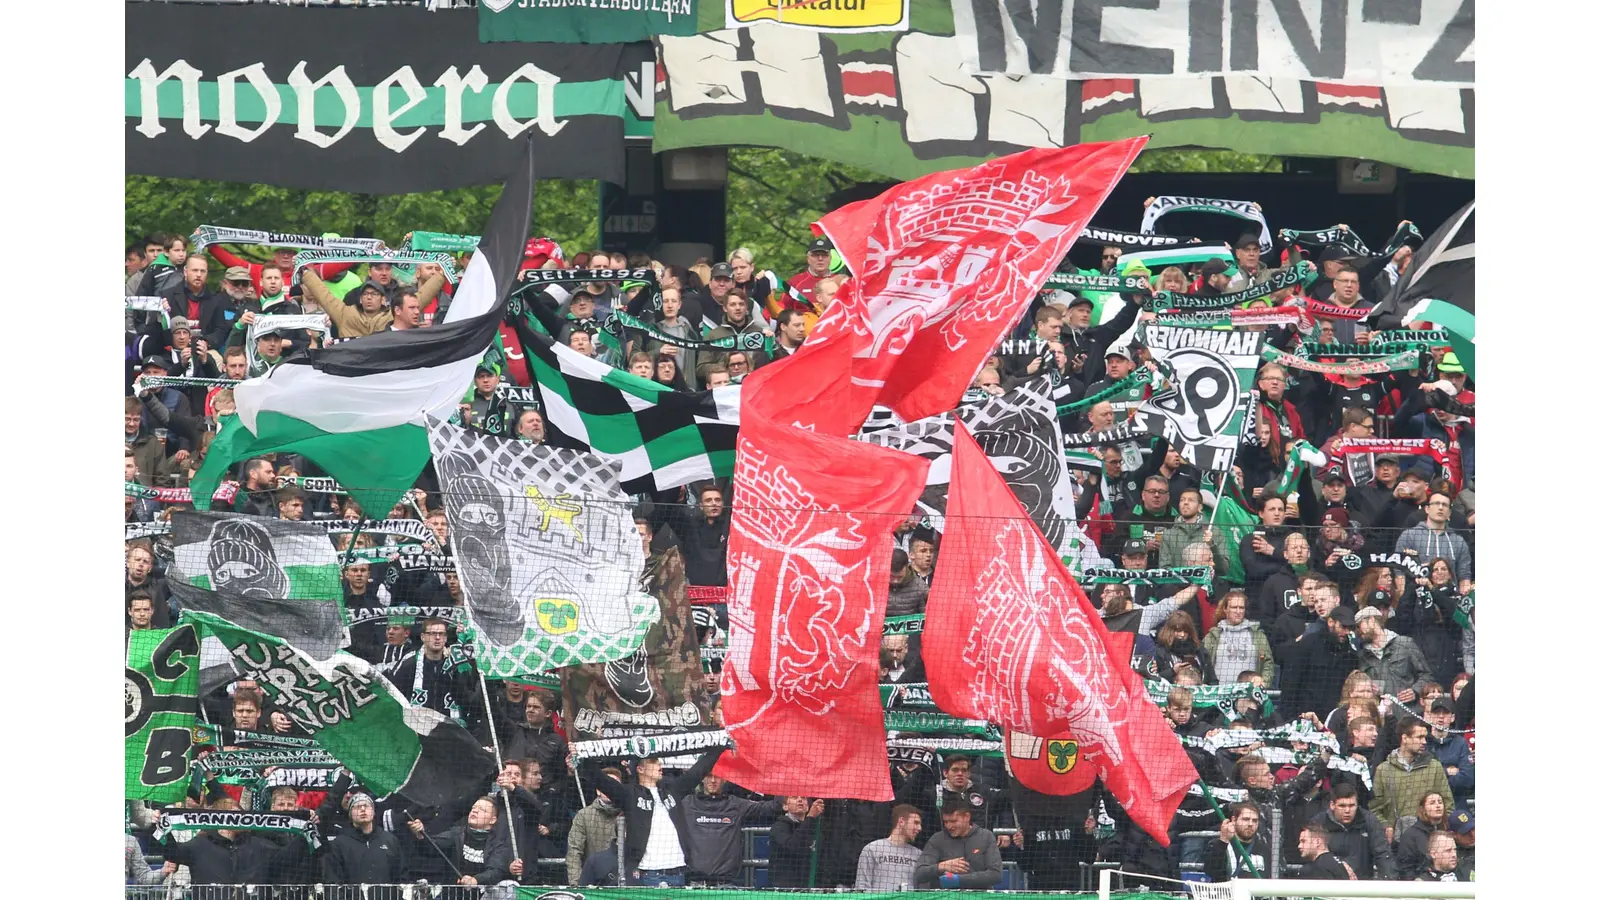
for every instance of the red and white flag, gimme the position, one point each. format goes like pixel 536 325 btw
pixel 808 559
pixel 1051 765
pixel 1011 638
pixel 944 266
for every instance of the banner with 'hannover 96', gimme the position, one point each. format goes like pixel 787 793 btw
pixel 381 101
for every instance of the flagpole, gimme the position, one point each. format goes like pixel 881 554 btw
pixel 494 738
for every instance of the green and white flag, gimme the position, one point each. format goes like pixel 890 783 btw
pixel 270 575
pixel 356 409
pixel 161 691
pixel 1206 398
pixel 354 713
pixel 550 562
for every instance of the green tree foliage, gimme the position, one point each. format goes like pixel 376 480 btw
pixel 1205 161
pixel 564 210
pixel 774 196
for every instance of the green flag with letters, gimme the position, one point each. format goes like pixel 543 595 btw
pixel 161 693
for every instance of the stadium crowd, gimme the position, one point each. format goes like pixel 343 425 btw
pixel 1348 601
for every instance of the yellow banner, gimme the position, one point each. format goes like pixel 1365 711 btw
pixel 823 15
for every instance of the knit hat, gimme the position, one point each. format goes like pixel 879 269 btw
pixel 241 561
pixel 1336 516
pixel 179 323
pixel 360 797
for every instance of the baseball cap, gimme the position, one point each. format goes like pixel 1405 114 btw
pixel 1213 267
pixel 1134 547
pixel 1461 821
pixel 1369 612
pixel 1389 458
pixel 1342 615
pixel 1120 350
pixel 372 283
pixel 1079 301
pixel 722 270
pixel 1248 239
pixel 179 323
pixel 1334 253
pixel 1332 476
pixel 164 365
pixel 236 273
pixel 819 245
pixel 1443 703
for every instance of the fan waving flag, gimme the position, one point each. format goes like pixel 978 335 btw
pixel 946 265
pixel 357 408
pixel 1011 638
pixel 808 557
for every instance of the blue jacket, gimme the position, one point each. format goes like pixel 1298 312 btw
pixel 1453 751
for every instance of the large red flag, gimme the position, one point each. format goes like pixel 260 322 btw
pixel 945 265
pixel 808 560
pixel 1048 765
pixel 1011 638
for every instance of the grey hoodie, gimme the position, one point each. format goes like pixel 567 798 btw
pixel 1430 545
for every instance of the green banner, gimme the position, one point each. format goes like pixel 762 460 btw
pixel 161 690
pixel 904 105
pixel 585 21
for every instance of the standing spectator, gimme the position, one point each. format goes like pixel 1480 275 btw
pixel 141 562
pixel 535 737
pixel 888 864
pixel 1178 647
pixel 1189 528
pixel 1411 847
pixel 1433 539
pixel 1427 614
pixel 475 848
pixel 1442 861
pixel 1451 749
pixel 790 334
pixel 1235 644
pixel 656 852
pixel 920 556
pixel 363 853
pixel 1401 781
pixel 1321 865
pixel 793 843
pixel 1281 592
pixel 593 829
pixel 908 594
pixel 439 678
pixel 1392 660
pixel 715 832
pixel 819 256
pixel 703 535
pixel 983 801
pixel 1223 861
pixel 961 856
pixel 1314 666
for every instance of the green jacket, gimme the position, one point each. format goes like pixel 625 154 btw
pixel 1181 534
pixel 1398 786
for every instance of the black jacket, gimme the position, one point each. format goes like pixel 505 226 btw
pixel 213 859
pixel 1411 850
pixel 1223 862
pixel 1092 342
pixel 638 804
pixel 715 830
pixel 486 856
pixel 1362 843
pixel 523 741
pixel 211 325
pixel 704 543
pixel 789 856
pixel 356 858
pixel 1314 669
pixel 1274 597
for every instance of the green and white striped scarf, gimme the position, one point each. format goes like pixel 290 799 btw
pixel 1238 209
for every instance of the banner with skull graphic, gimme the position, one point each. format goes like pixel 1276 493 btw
pixel 551 565
pixel 271 576
pixel 1021 435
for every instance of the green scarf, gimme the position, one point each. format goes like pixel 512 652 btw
pixel 438 240
pixel 1195 575
pixel 1114 284
pixel 1212 696
pixel 1140 377
pixel 1299 274
pixel 1403 361
pixel 1464 608
pixel 299 823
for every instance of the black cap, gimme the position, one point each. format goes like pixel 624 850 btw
pixel 1134 547
pixel 1443 703
pixel 1079 301
pixel 1334 253
pixel 1343 616
pixel 1248 239
pixel 819 245
pixel 164 365
pixel 1213 267
pixel 722 270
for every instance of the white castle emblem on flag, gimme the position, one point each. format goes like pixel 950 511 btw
pixel 820 625
pixel 1022 607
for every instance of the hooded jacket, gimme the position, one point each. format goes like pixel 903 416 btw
pixel 1453 751
pixel 1235 648
pixel 1398 786
pixel 1399 665
pixel 485 855
pixel 639 804
pixel 1363 843
pixel 1278 595
pixel 351 320
pixel 1429 544
pixel 1411 850
pixel 594 829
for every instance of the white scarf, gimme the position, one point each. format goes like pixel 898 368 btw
pixel 1239 209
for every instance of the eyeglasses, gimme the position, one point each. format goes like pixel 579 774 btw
pixel 1438 503
pixel 1155 490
